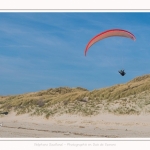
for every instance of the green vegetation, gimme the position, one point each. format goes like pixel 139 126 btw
pixel 130 98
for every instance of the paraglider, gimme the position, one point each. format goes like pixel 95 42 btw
pixel 110 33
pixel 122 72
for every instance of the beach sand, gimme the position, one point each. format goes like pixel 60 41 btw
pixel 75 126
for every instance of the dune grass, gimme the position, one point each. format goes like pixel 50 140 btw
pixel 130 98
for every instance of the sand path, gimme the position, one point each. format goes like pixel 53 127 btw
pixel 102 126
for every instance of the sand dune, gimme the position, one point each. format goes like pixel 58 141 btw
pixel 102 126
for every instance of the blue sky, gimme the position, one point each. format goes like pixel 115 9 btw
pixel 39 51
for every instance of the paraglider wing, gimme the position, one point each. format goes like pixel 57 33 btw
pixel 109 33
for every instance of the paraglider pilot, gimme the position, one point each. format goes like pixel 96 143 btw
pixel 122 72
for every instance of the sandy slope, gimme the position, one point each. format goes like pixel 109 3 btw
pixel 104 125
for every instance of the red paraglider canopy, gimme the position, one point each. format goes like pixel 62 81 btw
pixel 109 33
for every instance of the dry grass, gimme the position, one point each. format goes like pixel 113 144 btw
pixel 130 98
